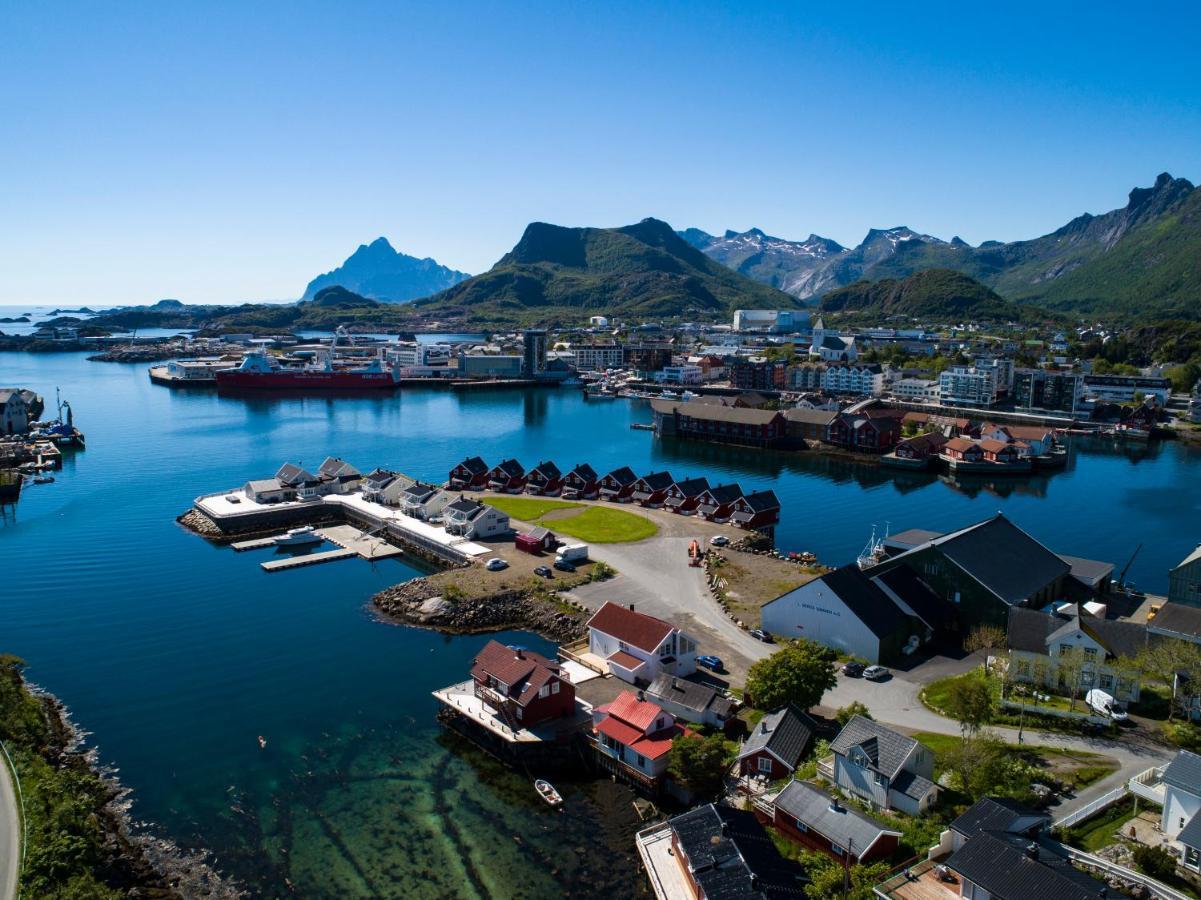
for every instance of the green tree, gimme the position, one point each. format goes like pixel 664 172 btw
pixel 1155 861
pixel 1070 665
pixel 700 764
pixel 799 673
pixel 1161 659
pixel 852 709
pixel 831 880
pixel 971 701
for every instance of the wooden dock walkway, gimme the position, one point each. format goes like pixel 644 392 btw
pixel 256 544
pixel 365 545
pixel 308 559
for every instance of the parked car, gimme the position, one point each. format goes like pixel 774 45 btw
pixel 496 564
pixel 543 572
pixel 564 566
pixel 760 635
pixel 719 540
pixel 1103 703
pixel 875 673
pixel 853 669
pixel 710 662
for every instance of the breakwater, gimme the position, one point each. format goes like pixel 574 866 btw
pixel 419 603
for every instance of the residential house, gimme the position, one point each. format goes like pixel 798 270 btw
pixel 776 746
pixel 724 854
pixel 923 447
pixel 859 379
pixel 1037 640
pixel 1179 621
pixel 691 701
pixel 986 568
pixel 803 424
pixel 651 490
pixel 996 814
pixel 719 423
pixel 290 483
pixel 338 476
pixel 1184 581
pixel 1004 452
pixel 683 496
pixel 759 509
pixel 469 475
pixel 536 540
pixel 618 485
pixel 1181 818
pixel 469 519
pixel 525 688
pixel 812 818
pixel 639 647
pixel 394 492
pixel 424 501
pixel 866 430
pixel 717 503
pixel 962 449
pixel 268 490
pixel 15 414
pixel 880 617
pixel 544 479
pixel 1002 865
pixel 884 767
pixel 581 483
pixel 634 736
pixel 507 477
pixel 1037 439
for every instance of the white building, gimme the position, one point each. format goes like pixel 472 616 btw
pixel 967 386
pixel 831 347
pixel 1181 819
pixel 598 322
pixel 860 379
pixel 15 411
pixel 681 375
pixel 424 501
pixel 915 390
pixel 883 767
pixel 637 647
pixel 469 519
pixel 776 321
pixel 598 357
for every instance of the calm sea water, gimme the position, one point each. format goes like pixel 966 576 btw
pixel 177 654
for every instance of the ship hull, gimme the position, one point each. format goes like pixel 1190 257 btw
pixel 305 381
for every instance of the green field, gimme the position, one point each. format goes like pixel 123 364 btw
pixel 593 524
pixel 528 509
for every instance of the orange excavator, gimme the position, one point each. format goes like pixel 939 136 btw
pixel 694 553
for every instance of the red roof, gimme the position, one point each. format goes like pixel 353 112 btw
pixel 635 628
pixel 639 713
pixel 508 666
pixel 651 746
pixel 960 444
pixel 626 660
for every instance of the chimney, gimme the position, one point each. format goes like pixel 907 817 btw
pixel 631 607
pixel 641 696
pixel 725 827
pixel 520 653
pixel 763 726
pixel 1032 850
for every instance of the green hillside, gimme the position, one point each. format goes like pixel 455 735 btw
pixel 939 294
pixel 558 274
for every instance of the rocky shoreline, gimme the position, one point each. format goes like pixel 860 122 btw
pixel 136 862
pixel 418 603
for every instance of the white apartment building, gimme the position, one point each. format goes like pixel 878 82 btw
pixel 681 375
pixel 967 386
pixel 598 357
pixel 916 390
pixel 866 379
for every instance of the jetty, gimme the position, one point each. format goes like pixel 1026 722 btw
pixel 363 543
pixel 308 559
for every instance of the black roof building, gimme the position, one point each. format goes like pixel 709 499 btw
pixel 623 476
pixel 730 857
pixel 1013 867
pixel 786 734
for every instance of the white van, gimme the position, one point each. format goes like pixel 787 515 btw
pixel 1104 704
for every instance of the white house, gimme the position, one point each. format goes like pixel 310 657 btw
pixel 884 767
pixel 638 647
pixel 338 476
pixel 290 483
pixel 470 519
pixel 636 735
pixel 1037 438
pixel 880 618
pixel 424 501
pixel 14 411
pixel 831 347
pixel 1181 819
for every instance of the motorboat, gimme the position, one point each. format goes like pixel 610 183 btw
pixel 547 792
pixel 298 537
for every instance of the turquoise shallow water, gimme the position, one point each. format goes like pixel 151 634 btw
pixel 177 654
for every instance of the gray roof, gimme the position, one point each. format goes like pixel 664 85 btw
pixel 689 694
pixel 995 814
pixel 732 858
pixel 1001 557
pixel 911 538
pixel 290 474
pixel 264 484
pixel 912 785
pixel 887 748
pixel 786 734
pixel 1184 772
pixel 715 413
pixel 465 505
pixel 1033 631
pixel 1191 558
pixel 846 827
pixel 1190 835
pixel 1178 618
pixel 998 863
pixel 1089 571
pixel 810 416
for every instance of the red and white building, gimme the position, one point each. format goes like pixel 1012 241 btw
pixel 683 496
pixel 618 485
pixel 651 490
pixel 717 503
pixel 638 647
pixel 756 510
pixel 507 477
pixel 469 475
pixel 544 479
pixel 633 737
pixel 524 688
pixel 581 483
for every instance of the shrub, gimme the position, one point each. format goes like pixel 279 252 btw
pixel 1154 861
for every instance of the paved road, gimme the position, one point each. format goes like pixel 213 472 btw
pixel 655 576
pixel 896 702
pixel 10 833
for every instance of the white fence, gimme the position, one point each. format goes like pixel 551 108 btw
pixel 1091 809
pixel 1157 889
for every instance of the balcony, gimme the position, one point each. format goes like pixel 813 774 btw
pixel 825 768
pixel 493 698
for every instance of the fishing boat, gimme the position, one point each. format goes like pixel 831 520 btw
pixel 297 537
pixel 874 551
pixel 547 792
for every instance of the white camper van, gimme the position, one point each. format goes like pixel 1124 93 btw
pixel 1103 703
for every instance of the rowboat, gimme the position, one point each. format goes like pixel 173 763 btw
pixel 547 792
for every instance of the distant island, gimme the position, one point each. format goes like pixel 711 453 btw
pixel 378 272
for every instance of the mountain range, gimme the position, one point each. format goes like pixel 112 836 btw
pixel 645 270
pixel 1138 259
pixel 379 272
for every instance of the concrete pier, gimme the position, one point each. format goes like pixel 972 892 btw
pixel 365 545
pixel 309 559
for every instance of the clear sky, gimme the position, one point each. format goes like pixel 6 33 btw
pixel 222 152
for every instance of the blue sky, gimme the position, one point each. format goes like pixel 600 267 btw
pixel 225 152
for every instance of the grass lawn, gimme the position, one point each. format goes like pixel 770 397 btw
pixel 529 508
pixel 1077 767
pixel 592 524
pixel 1101 831
pixel 937 697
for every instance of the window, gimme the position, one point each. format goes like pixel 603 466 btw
pixel 544 691
pixel 838 851
pixel 554 687
pixel 519 712
pixel 764 764
pixel 801 826
pixel 1107 682
pixel 641 761
pixel 1065 649
pixel 659 723
pixel 1090 653
pixel 881 779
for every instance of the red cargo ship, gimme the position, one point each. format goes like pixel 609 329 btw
pixel 259 371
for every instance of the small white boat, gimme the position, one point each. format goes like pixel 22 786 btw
pixel 44 479
pixel 547 792
pixel 297 537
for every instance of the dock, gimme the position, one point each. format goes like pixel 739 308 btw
pixel 308 559
pixel 359 542
pixel 257 544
